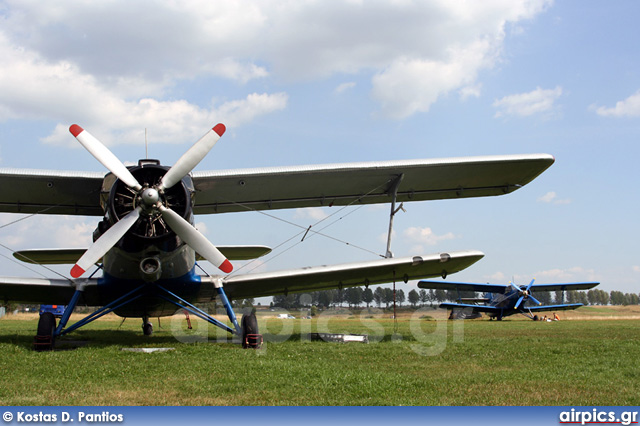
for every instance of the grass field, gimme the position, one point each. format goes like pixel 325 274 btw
pixel 589 361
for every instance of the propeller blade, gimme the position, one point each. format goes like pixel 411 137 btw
pixel 103 244
pixel 192 157
pixel 103 155
pixel 518 302
pixel 516 288
pixel 195 239
pixel 535 300
pixel 530 284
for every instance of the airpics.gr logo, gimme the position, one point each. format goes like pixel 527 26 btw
pixel 596 416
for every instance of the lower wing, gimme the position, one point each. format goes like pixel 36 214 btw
pixel 60 291
pixel 346 275
pixel 477 308
pixel 554 307
pixel 47 291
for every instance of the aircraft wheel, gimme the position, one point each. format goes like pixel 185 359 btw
pixel 147 329
pixel 249 325
pixel 45 338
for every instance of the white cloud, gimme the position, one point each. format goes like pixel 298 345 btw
pixel 527 104
pixel 344 87
pixel 314 213
pixel 171 121
pixel 42 231
pixel 426 236
pixel 202 227
pixel 629 107
pixel 574 274
pixel 498 277
pixel 552 197
pixel 65 62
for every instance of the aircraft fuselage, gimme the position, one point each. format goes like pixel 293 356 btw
pixel 150 252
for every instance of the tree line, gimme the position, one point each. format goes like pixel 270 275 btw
pixel 383 297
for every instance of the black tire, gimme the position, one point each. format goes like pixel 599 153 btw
pixel 249 325
pixel 147 329
pixel 45 338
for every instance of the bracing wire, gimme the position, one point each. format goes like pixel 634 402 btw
pixel 309 229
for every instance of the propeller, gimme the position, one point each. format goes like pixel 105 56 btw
pixel 103 244
pixel 195 239
pixel 524 294
pixel 103 155
pixel 150 200
pixel 192 157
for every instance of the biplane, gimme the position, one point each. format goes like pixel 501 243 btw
pixel 143 260
pixel 501 300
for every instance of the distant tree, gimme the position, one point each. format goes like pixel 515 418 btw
pixel 325 298
pixel 616 298
pixel 353 296
pixel 378 296
pixel 582 298
pixel 367 296
pixel 388 297
pixel 559 296
pixel 432 296
pixel 400 297
pixel 414 298
pixel 440 295
pixel 543 297
pixel 291 301
pixel 424 296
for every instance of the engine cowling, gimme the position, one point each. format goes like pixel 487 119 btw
pixel 118 200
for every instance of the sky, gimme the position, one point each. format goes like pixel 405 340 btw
pixel 314 82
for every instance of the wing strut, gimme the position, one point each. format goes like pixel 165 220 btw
pixel 393 190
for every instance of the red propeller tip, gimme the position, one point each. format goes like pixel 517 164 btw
pixel 219 129
pixel 226 267
pixel 76 130
pixel 76 271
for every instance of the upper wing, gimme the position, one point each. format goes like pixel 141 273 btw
pixel 50 192
pixel 567 286
pixel 340 276
pixel 365 183
pixel 442 285
pixel 47 291
pixel 78 193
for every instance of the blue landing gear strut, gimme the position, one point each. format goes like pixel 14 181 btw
pixel 47 331
pixel 183 304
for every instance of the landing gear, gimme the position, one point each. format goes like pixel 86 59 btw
pixel 147 327
pixel 45 339
pixel 250 336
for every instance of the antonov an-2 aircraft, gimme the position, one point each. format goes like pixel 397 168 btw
pixel 147 247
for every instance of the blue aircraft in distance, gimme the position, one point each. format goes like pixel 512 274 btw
pixel 502 300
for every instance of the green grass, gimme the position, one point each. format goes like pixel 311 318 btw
pixel 487 363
